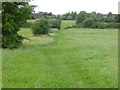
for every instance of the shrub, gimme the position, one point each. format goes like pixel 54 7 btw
pixel 55 23
pixel 40 26
pixel 88 23
pixel 101 25
pixel 112 25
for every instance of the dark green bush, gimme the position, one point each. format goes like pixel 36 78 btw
pixel 12 41
pixel 88 23
pixel 112 25
pixel 40 26
pixel 55 23
pixel 101 25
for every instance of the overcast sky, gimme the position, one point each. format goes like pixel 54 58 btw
pixel 64 6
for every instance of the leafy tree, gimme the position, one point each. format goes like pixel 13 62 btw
pixel 40 26
pixel 14 15
pixel 66 16
pixel 73 15
pixel 81 17
pixel 33 8
pixel 110 17
pixel 92 15
pixel 99 17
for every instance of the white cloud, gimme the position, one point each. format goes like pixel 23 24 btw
pixel 63 6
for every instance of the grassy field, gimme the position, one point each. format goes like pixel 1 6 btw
pixel 74 58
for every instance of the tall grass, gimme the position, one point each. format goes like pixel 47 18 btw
pixel 74 58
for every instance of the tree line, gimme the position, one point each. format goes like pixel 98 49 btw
pixel 16 14
pixel 96 20
pixel 86 20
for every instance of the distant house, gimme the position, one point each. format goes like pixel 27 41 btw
pixel 69 17
pixel 105 15
pixel 36 15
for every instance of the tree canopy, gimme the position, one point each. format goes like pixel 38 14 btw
pixel 14 15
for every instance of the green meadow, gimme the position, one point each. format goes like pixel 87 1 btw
pixel 66 58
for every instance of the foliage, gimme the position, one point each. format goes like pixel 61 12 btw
pixel 55 23
pixel 88 23
pixel 110 17
pixel 101 25
pixel 112 25
pixel 14 15
pixel 12 41
pixel 40 26
pixel 98 17
pixel 96 20
pixel 81 17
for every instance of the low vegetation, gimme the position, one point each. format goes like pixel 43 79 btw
pixel 55 23
pixel 74 58
pixel 96 20
pixel 80 51
pixel 40 26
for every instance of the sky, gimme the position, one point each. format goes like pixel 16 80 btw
pixel 64 6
